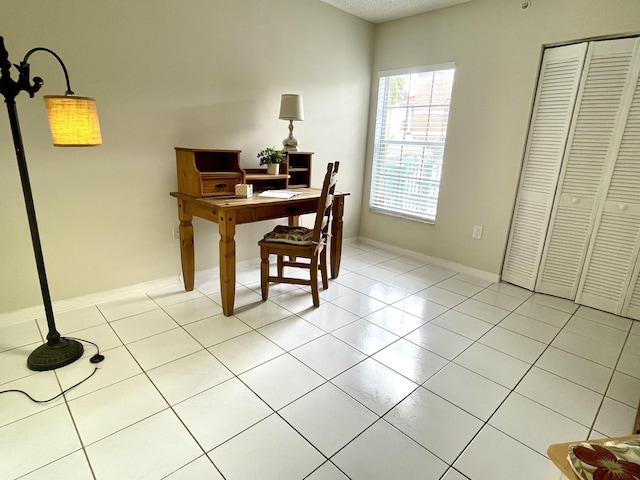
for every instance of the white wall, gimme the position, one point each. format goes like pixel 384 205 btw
pixel 167 73
pixel 496 47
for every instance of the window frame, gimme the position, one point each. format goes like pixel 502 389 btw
pixel 380 159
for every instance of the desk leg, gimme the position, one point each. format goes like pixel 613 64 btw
pixel 186 247
pixel 227 227
pixel 294 221
pixel 336 235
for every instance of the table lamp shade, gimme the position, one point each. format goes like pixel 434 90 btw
pixel 73 120
pixel 291 107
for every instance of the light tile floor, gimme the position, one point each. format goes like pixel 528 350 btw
pixel 405 371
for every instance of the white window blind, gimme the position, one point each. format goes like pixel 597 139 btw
pixel 411 127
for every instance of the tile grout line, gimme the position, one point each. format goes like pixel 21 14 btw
pixel 367 356
pixel 511 391
pixel 613 372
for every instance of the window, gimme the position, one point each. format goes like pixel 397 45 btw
pixel 411 126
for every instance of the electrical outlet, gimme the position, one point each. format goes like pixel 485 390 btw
pixel 175 232
pixel 477 232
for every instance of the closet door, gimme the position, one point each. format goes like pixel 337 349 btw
pixel 550 121
pixel 628 168
pixel 593 141
pixel 610 281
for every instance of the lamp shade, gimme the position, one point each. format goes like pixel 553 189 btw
pixel 291 107
pixel 73 120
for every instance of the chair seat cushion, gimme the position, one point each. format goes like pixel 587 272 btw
pixel 292 235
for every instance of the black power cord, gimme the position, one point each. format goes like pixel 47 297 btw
pixel 97 358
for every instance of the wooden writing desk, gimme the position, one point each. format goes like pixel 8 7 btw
pixel 228 212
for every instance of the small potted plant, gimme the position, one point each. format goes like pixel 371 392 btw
pixel 272 158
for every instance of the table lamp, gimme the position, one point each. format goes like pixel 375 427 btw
pixel 73 122
pixel 291 109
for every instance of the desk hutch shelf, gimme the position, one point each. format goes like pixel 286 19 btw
pixel 299 169
pixel 211 173
pixel 208 173
pixel 295 173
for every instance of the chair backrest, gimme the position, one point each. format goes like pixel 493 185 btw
pixel 323 215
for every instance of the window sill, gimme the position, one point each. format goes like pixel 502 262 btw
pixel 402 215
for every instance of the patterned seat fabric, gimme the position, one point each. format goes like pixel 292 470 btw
pixel 292 235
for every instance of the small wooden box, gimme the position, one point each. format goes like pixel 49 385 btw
pixel 208 173
pixel 244 190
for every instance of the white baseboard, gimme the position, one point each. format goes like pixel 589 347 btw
pixel 491 277
pixel 31 313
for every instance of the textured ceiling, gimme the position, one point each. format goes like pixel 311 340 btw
pixel 378 11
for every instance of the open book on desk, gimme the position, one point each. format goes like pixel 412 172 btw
pixel 278 193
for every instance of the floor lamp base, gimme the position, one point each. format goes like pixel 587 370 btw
pixel 49 357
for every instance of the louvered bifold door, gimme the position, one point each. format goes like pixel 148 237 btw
pixel 593 140
pixel 550 121
pixel 611 271
pixel 628 169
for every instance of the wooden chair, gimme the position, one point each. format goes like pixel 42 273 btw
pixel 301 243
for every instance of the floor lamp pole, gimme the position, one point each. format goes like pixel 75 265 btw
pixel 58 351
